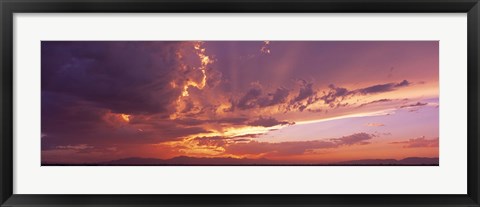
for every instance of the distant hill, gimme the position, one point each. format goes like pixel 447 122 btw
pixel 229 161
pixel 406 161
pixel 184 160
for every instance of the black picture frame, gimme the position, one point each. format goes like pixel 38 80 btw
pixel 9 7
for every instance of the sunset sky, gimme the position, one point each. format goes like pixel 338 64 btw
pixel 292 101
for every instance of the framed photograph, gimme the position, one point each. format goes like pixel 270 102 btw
pixel 239 103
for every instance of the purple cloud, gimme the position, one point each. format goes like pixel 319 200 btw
pixel 419 142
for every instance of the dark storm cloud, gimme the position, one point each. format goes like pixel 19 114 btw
pixel 86 86
pixel 60 111
pixel 102 134
pixel 125 77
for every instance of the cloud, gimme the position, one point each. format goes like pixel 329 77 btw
pixel 413 105
pixel 334 93
pixel 76 147
pixel 359 138
pixel 375 124
pixel 315 110
pixel 216 141
pixel 419 142
pixel 82 148
pixel 89 87
pixel 295 148
pixel 241 140
pixel 382 87
pixel 282 148
pixel 376 101
pixel 256 98
pixel 402 84
pixel 221 141
pixel 306 91
pixel 306 96
pixel 278 97
pixel 228 120
pixel 249 100
pixel 71 121
pixel 125 77
pixel 380 134
pixel 255 135
pixel 268 122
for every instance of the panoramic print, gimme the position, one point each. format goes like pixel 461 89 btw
pixel 239 103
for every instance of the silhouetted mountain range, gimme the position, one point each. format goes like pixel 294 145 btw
pixel 184 160
pixel 203 161
pixel 188 161
pixel 406 161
